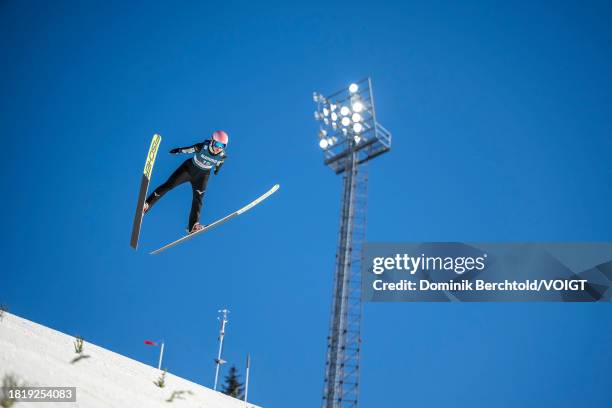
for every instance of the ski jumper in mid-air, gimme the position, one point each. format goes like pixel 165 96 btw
pixel 208 156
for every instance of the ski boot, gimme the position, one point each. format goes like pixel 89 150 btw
pixel 196 227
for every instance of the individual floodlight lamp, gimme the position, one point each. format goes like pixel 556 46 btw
pixel 345 111
pixel 353 88
pixel 334 116
pixel 325 112
pixel 357 127
pixel 356 117
pixel 358 106
pixel 346 121
pixel 323 143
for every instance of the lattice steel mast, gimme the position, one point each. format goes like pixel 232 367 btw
pixel 349 136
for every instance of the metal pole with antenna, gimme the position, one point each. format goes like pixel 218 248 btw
pixel 218 360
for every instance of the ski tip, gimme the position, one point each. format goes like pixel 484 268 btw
pixel 276 187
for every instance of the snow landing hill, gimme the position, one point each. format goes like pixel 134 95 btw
pixel 39 356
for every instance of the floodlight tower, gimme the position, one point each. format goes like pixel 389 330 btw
pixel 349 136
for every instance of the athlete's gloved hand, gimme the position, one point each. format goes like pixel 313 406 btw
pixel 175 151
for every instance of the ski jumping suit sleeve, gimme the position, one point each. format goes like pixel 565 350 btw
pixel 195 170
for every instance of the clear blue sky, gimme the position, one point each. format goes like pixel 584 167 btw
pixel 501 115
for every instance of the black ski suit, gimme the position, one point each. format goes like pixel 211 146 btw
pixel 195 170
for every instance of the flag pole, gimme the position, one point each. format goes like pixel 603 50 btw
pixel 246 381
pixel 161 356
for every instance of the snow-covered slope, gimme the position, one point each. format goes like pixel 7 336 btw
pixel 40 356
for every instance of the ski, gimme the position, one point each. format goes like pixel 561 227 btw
pixel 221 220
pixel 144 187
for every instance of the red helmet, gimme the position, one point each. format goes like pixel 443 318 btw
pixel 220 136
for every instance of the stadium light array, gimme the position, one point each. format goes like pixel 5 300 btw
pixel 349 118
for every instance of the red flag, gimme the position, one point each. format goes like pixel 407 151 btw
pixel 150 343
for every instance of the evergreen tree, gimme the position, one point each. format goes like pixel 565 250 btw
pixel 233 387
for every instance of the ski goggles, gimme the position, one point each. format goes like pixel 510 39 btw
pixel 218 145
